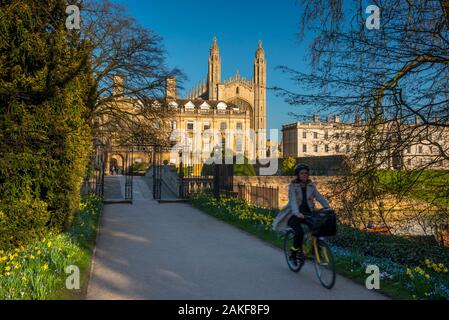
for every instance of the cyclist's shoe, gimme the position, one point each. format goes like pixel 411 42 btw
pixel 294 257
pixel 297 257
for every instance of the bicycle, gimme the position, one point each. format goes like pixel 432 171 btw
pixel 315 247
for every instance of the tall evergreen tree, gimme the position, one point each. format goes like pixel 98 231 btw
pixel 45 138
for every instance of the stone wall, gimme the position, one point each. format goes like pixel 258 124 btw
pixel 323 183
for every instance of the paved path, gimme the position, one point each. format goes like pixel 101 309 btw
pixel 114 187
pixel 173 251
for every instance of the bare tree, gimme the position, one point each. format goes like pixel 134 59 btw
pixel 397 77
pixel 129 71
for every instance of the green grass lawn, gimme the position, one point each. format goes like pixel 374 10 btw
pixel 427 185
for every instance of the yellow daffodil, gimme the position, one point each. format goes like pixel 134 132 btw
pixel 49 244
pixel 45 267
pixel 419 270
pixel 2 252
pixel 39 253
pixel 8 268
pixel 32 257
pixel 426 276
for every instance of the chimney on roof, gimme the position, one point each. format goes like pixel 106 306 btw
pixel 316 118
pixel 118 85
pixel 328 119
pixel 337 119
pixel 170 88
pixel 417 120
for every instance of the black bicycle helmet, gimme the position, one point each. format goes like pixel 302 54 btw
pixel 301 166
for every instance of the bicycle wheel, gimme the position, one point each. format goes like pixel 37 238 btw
pixel 288 243
pixel 324 265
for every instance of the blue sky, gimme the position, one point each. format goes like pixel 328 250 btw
pixel 188 27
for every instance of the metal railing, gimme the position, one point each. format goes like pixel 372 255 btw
pixel 261 196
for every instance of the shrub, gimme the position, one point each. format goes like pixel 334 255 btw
pixel 410 251
pixel 45 133
pixel 288 166
pixel 37 270
pixel 245 169
pixel 139 167
pixel 21 221
pixel 233 209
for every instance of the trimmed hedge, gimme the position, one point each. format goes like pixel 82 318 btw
pixel 45 126
pixel 244 169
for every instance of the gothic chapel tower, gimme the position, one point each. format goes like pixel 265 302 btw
pixel 214 71
pixel 260 90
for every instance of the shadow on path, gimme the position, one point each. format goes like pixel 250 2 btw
pixel 149 250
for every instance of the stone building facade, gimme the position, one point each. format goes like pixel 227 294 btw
pixel 333 137
pixel 228 108
pixel 233 106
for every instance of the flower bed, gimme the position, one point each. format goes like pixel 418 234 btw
pixel 37 271
pixel 401 276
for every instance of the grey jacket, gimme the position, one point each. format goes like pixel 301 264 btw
pixel 294 200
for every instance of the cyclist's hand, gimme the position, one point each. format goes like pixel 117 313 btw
pixel 300 215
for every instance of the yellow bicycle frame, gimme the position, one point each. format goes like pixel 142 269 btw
pixel 317 254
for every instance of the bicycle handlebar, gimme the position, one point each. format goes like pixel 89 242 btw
pixel 312 215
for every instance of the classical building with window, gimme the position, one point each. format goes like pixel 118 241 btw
pixel 333 137
pixel 236 104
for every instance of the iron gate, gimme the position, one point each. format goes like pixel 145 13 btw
pixel 93 182
pixel 129 173
pixel 157 172
pixel 223 180
pixel 216 179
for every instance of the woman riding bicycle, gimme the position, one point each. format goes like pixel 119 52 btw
pixel 301 195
